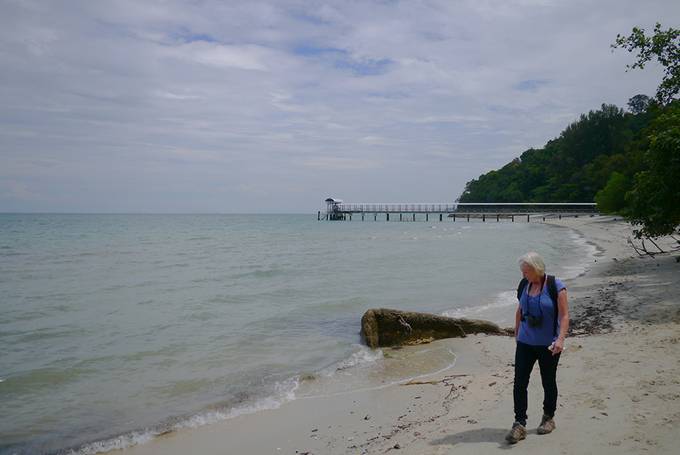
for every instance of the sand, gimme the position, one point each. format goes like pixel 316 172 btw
pixel 618 379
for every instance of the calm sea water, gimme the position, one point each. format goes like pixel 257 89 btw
pixel 117 327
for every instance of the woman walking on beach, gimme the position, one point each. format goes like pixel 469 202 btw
pixel 541 325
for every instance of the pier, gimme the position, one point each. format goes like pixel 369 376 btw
pixel 337 210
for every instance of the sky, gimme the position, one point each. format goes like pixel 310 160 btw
pixel 270 107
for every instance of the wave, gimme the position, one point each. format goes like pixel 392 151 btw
pixel 364 356
pixel 591 252
pixel 284 392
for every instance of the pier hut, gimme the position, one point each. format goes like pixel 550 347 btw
pixel 333 210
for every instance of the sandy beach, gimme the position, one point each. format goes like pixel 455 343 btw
pixel 618 379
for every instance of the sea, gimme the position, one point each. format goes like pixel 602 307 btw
pixel 117 328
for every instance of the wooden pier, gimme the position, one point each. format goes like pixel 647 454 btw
pixel 337 210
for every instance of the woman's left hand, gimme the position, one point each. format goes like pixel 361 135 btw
pixel 558 346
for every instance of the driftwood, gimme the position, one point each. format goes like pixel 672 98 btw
pixel 385 327
pixel 642 250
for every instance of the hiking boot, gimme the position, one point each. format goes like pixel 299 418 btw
pixel 547 425
pixel 517 433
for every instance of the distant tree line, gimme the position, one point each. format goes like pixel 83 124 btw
pixel 626 161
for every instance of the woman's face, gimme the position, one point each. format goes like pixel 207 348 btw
pixel 530 273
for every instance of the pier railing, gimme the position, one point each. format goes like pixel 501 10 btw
pixel 466 207
pixel 343 211
pixel 396 208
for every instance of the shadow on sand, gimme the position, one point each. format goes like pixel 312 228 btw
pixel 496 435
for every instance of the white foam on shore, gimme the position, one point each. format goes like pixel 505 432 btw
pixel 363 356
pixel 284 392
pixel 388 384
pixel 578 269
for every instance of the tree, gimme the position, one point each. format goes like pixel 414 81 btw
pixel 664 47
pixel 611 198
pixel 638 104
pixel 654 201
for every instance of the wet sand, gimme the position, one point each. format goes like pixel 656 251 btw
pixel 618 379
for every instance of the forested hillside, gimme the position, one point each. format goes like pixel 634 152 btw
pixel 574 166
pixel 627 162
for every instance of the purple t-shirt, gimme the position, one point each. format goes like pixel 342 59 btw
pixel 537 305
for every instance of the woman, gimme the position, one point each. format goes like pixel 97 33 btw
pixel 537 338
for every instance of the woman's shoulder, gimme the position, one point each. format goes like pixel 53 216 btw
pixel 559 284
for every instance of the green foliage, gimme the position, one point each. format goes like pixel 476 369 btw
pixel 611 198
pixel 572 167
pixel 638 103
pixel 664 47
pixel 654 201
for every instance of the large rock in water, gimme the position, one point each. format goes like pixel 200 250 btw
pixel 385 327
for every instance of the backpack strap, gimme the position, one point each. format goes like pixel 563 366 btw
pixel 520 288
pixel 552 291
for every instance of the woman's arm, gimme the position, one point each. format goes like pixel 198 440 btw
pixel 518 317
pixel 563 312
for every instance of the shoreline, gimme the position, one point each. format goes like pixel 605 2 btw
pixel 469 405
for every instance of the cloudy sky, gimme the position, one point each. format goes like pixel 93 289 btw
pixel 249 106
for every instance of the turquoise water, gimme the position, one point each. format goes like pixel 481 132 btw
pixel 117 327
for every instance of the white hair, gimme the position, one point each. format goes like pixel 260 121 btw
pixel 533 260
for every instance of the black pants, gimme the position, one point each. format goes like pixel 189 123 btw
pixel 525 358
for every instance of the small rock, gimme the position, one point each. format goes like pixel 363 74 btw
pixel 315 430
pixel 472 421
pixel 367 417
pixel 492 384
pixel 396 446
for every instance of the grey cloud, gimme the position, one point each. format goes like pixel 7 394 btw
pixel 217 106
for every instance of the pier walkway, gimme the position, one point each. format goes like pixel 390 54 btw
pixel 337 210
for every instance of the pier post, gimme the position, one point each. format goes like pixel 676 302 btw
pixel 414 217
pixel 468 217
pixel 513 218
pixel 543 218
pixel 454 217
pixel 440 217
pixel 427 217
pixel 498 217
pixel 318 216
pixel 483 217
pixel 559 216
pixel 527 218
pixel 388 217
pixel 375 217
pixel 362 217
pixel 350 217
pixel 400 217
